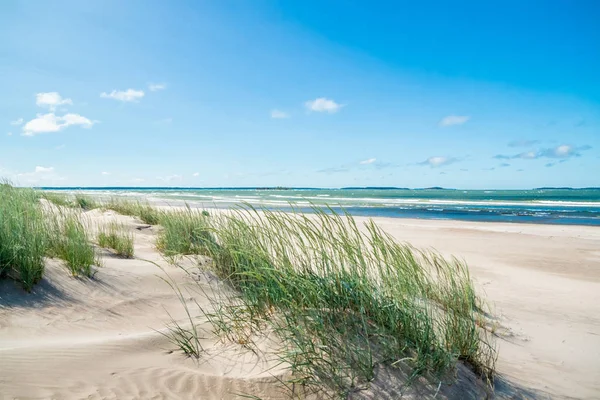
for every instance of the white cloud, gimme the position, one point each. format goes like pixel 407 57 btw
pixel 51 122
pixel 165 121
pixel 279 114
pixel 155 87
pixel 43 170
pixel 438 161
pixel 42 124
pixel 51 100
pixel 528 155
pixel 196 174
pixel 369 161
pixel 105 173
pixel 17 122
pixel 323 104
pixel 76 119
pixel 124 95
pixel 60 147
pixel 9 134
pixel 563 151
pixel 454 120
pixel 138 180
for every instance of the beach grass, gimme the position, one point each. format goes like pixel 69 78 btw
pixel 185 336
pixel 184 232
pixel 59 199
pixel 121 206
pixel 148 214
pixel 340 298
pixel 30 231
pixel 68 240
pixel 143 211
pixel 85 202
pixel 78 200
pixel 116 237
pixel 23 237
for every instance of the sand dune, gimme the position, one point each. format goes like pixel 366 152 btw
pixel 544 284
pixel 100 338
pixel 77 338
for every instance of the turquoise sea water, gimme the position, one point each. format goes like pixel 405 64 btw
pixel 546 206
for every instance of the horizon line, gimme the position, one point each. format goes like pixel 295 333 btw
pixel 294 188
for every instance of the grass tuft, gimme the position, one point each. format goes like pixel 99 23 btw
pixel 58 199
pixel 85 202
pixel 121 206
pixel 23 236
pixel 148 214
pixel 69 241
pixel 184 232
pixel 342 299
pixel 79 200
pixel 117 238
pixel 29 232
pixel 145 212
pixel 185 337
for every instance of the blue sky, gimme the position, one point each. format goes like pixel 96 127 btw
pixel 463 94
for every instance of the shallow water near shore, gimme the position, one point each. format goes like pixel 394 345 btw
pixel 543 206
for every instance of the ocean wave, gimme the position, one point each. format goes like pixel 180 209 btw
pixel 353 201
pixel 385 204
pixel 421 201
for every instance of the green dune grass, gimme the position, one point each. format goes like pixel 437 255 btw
pixel 68 239
pixel 341 299
pixel 30 231
pixel 23 236
pixel 143 211
pixel 116 237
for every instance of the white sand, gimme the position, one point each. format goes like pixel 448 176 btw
pixel 82 339
pixel 75 339
pixel 544 281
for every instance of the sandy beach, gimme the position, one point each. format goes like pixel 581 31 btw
pixel 101 338
pixel 544 284
pixel 276 200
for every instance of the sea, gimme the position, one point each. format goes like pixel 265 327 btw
pixel 564 206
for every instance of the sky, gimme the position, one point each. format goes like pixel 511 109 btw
pixel 465 94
